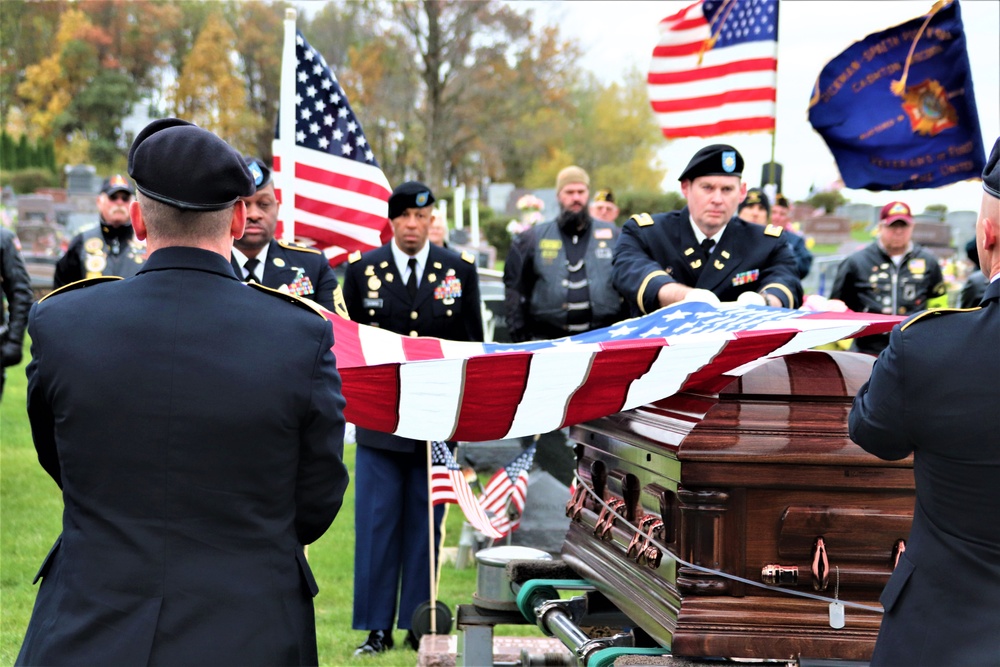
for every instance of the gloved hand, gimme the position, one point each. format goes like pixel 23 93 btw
pixel 11 353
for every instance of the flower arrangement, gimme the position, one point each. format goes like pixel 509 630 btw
pixel 531 208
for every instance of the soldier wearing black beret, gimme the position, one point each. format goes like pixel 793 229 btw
pixel 415 288
pixel 933 395
pixel 660 258
pixel 195 428
pixel 287 267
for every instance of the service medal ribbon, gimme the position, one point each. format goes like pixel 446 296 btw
pixel 450 288
pixel 745 277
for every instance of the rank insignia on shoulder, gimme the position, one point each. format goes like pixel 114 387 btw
pixel 354 256
pixel 642 219
pixel 86 282
pixel 927 314
pixel 468 257
pixel 300 248
pixel 773 230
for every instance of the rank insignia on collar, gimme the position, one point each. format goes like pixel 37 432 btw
pixel 724 253
pixel 688 252
pixel 437 265
pixel 696 264
pixel 719 265
pixel 383 265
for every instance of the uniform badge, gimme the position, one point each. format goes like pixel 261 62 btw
pixel 729 161
pixel 724 253
pixel 389 277
pixel 917 265
pixel 696 264
pixel 719 265
pixel 278 262
pixel 468 257
pixel 374 283
pixel 449 289
pixel 432 277
pixel 603 233
pixel 369 270
pixel 421 199
pixel 745 277
pixel 437 265
pixel 451 272
pixel 772 230
pixel 93 245
pixel 258 175
pixel 689 252
pixel 642 219
pixel 372 303
pixel 301 286
pixel 354 256
pixel 96 263
pixel 383 265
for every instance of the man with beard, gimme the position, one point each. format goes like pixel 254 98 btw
pixel 108 248
pixel 661 258
pixel 557 277
pixel 286 267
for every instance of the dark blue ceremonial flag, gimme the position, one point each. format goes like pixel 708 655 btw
pixel 886 138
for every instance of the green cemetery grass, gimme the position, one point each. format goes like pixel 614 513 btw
pixel 30 514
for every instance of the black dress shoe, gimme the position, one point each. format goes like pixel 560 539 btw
pixel 412 641
pixel 377 642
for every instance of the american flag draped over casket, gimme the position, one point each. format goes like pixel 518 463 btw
pixel 433 389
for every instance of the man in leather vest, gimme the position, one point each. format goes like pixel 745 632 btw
pixel 108 248
pixel 557 277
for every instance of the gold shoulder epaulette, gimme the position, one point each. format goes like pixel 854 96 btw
pixel 468 257
pixel 86 282
pixel 354 256
pixel 300 248
pixel 773 230
pixel 290 298
pixel 935 311
pixel 642 219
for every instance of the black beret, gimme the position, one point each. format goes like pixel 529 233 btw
pixel 187 167
pixel 781 200
pixel 991 173
pixel 755 196
pixel 714 160
pixel 116 183
pixel 972 252
pixel 411 194
pixel 258 170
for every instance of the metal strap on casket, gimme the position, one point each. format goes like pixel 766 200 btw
pixel 582 487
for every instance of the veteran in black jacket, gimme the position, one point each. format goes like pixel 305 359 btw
pixel 286 267
pixel 414 288
pixel 933 393
pixel 194 464
pixel 659 259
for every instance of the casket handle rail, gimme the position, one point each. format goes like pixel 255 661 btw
pixel 640 548
pixel 606 519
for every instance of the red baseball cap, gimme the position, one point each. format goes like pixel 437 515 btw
pixel 895 210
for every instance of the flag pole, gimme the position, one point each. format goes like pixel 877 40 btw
pixel 285 175
pixel 430 540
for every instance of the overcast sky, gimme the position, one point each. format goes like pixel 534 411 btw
pixel 620 34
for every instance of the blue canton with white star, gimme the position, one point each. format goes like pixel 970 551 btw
pixel 745 21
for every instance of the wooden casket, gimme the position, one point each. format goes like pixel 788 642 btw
pixel 754 477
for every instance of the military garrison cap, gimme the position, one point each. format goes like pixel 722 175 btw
pixel 714 160
pixel 991 173
pixel 755 197
pixel 411 194
pixel 258 170
pixel 187 167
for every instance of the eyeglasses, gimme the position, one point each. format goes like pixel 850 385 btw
pixel 120 196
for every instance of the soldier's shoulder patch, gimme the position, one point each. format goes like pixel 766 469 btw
pixel 290 298
pixel 86 282
pixel 354 256
pixel 468 257
pixel 773 230
pixel 300 248
pixel 642 219
pixel 934 312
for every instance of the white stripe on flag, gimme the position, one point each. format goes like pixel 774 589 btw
pixel 429 396
pixel 699 117
pixel 714 57
pixel 671 368
pixel 379 346
pixel 553 378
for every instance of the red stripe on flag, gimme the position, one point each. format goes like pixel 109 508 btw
pixel 712 101
pixel 373 393
pixel 346 343
pixel 276 163
pixel 494 387
pixel 607 384
pixel 679 50
pixel 722 127
pixel 741 351
pixel 337 212
pixel 713 72
pixel 340 181
pixel 419 348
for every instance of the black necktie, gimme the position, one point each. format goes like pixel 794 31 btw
pixel 250 266
pixel 706 246
pixel 411 283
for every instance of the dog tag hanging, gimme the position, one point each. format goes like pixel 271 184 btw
pixel 837 608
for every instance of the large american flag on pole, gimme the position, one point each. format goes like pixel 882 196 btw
pixel 448 485
pixel 433 389
pixel 340 193
pixel 509 488
pixel 714 70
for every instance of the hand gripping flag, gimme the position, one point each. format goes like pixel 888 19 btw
pixel 509 487
pixel 714 70
pixel 433 389
pixel 448 485
pixel 340 193
pixel 897 108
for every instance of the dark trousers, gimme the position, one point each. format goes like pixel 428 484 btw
pixel 391 551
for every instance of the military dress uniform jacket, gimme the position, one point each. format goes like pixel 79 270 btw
pixel 100 250
pixel 868 282
pixel 933 393
pixel 302 271
pixel 660 249
pixel 194 464
pixel 16 286
pixel 447 305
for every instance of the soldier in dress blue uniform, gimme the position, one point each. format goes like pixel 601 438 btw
pixel 659 259
pixel 415 288
pixel 194 465
pixel 108 248
pixel 286 267
pixel 933 393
